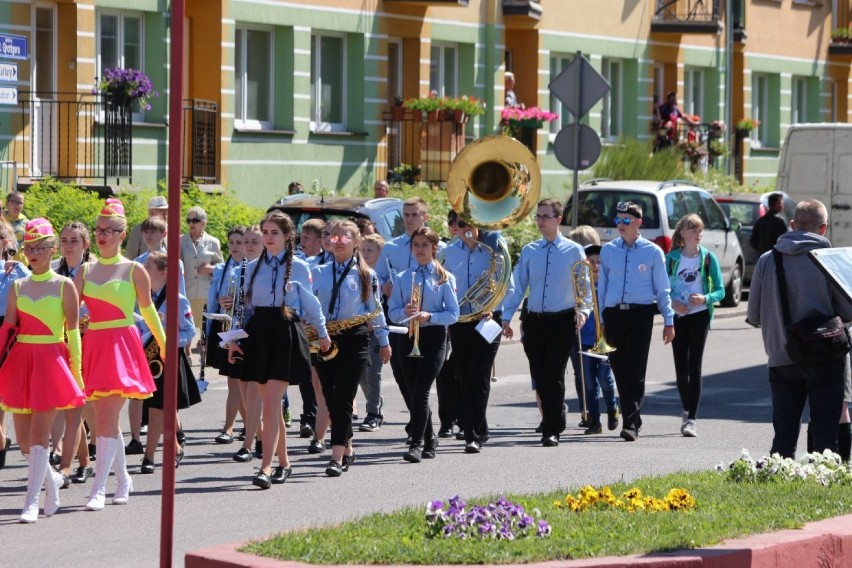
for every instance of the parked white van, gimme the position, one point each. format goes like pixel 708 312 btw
pixel 816 163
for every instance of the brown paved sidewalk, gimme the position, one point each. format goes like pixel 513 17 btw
pixel 822 544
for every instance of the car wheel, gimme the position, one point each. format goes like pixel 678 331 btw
pixel 734 290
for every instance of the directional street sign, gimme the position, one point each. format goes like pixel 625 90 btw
pixel 8 96
pixel 8 72
pixel 579 86
pixel 587 153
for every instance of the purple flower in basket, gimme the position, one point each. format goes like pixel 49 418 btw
pixel 126 86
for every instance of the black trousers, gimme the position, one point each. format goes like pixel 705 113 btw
pixel 548 341
pixel 419 373
pixel 688 349
pixel 398 353
pixel 473 361
pixel 309 404
pixel 629 331
pixel 339 378
pixel 448 389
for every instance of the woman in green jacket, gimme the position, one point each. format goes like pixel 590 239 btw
pixel 696 284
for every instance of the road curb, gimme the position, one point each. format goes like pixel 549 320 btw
pixel 818 544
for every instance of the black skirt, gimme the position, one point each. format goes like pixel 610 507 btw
pixel 276 348
pixel 216 356
pixel 187 393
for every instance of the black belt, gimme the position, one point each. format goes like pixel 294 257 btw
pixel 546 315
pixel 624 306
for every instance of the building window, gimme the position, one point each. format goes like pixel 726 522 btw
pixel 613 71
pixel 443 70
pixel 799 105
pixel 693 96
pixel 760 109
pixel 328 83
pixel 558 63
pixel 119 37
pixel 253 78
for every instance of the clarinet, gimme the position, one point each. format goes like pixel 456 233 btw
pixel 239 305
pixel 202 343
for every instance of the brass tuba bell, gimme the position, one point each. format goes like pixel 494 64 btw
pixel 493 183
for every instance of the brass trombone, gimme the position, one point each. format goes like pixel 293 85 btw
pixel 414 325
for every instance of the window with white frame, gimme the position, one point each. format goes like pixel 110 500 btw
pixel 119 43
pixel 328 83
pixel 443 70
pixel 760 109
pixel 693 95
pixel 558 63
pixel 799 104
pixel 611 116
pixel 253 78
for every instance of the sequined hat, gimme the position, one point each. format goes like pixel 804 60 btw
pixel 113 208
pixel 38 229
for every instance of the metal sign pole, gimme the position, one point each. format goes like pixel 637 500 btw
pixel 575 198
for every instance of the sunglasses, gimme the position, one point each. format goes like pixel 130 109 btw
pixel 625 220
pixel 345 239
pixel 193 221
pixel 461 224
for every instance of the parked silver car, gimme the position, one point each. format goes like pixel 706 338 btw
pixel 663 204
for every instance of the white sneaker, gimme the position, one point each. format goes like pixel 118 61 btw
pixel 688 429
pixel 684 417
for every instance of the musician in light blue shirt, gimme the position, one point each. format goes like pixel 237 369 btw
pixel 436 308
pixel 631 282
pixel 347 288
pixel 545 268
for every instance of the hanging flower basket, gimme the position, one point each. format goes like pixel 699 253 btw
pixel 124 87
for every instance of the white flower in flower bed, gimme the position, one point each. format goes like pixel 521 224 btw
pixel 825 468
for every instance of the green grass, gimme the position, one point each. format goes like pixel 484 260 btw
pixel 723 510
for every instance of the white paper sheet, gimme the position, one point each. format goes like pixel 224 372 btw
pixel 489 329
pixel 232 335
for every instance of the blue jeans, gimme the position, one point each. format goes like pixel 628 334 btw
pixel 599 379
pixel 371 381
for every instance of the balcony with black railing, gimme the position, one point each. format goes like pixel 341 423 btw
pixel 78 137
pixel 687 16
pixel 200 158
pixel 421 146
pixel 524 8
pixel 841 35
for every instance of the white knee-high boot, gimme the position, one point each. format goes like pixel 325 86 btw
pixel 52 482
pixel 106 454
pixel 125 484
pixel 38 465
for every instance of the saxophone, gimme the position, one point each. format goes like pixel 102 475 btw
pixel 337 327
pixel 152 353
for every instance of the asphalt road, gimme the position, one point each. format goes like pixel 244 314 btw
pixel 216 502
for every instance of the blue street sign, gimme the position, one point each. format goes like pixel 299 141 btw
pixel 13 47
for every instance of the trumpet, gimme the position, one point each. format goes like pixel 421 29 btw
pixel 414 325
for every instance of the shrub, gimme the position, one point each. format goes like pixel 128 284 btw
pixel 633 159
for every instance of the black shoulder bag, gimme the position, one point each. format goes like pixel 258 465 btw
pixel 813 341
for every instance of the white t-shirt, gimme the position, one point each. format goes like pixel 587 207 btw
pixel 689 282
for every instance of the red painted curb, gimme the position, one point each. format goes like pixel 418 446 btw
pixel 821 544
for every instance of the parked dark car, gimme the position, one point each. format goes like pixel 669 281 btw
pixel 385 213
pixel 746 208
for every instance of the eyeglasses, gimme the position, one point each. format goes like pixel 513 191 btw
pixel 544 217
pixel 37 250
pixel 625 220
pixel 193 221
pixel 108 232
pixel 345 239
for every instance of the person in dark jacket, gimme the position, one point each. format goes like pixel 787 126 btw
pixel 768 228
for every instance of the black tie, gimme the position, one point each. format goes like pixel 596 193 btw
pixel 274 263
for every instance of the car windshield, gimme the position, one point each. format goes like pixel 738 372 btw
pixel 743 211
pixel 597 208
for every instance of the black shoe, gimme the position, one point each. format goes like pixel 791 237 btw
pixel 612 419
pixel 241 437
pixel 316 447
pixel 262 480
pixel 305 431
pixel 55 459
pixel 584 423
pixel 354 416
pixel 243 455
pixel 178 458
pixel 224 438
pixel 82 474
pixel 280 474
pixel 181 437
pixel 3 452
pixel 66 481
pixel 134 448
pixel 147 466
pixel 460 435
pixel 540 428
pixel 348 461
pixel 370 424
pixel 445 432
pixel 473 447
pixel 258 449
pixel 550 441
pixel 429 449
pixel 333 469
pixel 594 429
pixel 93 451
pixel 629 435
pixel 413 455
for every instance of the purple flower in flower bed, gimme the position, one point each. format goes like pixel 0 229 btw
pixel 500 519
